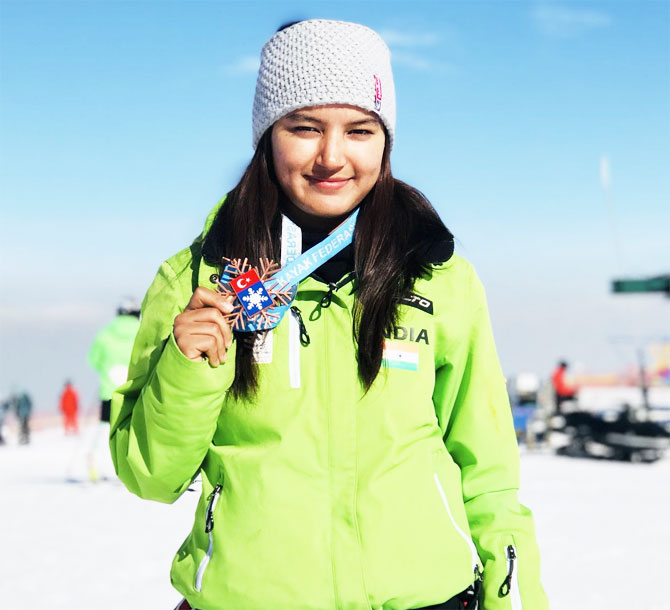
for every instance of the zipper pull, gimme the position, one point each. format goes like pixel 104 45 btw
pixel 506 587
pixel 327 298
pixel 479 577
pixel 209 515
pixel 304 337
pixel 470 597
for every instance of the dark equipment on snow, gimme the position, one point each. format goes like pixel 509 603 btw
pixel 622 437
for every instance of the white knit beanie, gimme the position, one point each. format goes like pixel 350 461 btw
pixel 319 62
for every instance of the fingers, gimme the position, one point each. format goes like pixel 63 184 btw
pixel 195 339
pixel 198 347
pixel 201 329
pixel 208 315
pixel 202 297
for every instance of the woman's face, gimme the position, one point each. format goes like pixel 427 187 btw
pixel 327 158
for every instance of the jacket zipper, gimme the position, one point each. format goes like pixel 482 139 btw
pixel 467 539
pixel 297 336
pixel 209 526
pixel 511 584
pixel 293 351
pixel 297 331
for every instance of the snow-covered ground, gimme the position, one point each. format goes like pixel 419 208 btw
pixel 603 529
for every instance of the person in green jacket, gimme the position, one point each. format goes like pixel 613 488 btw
pixel 354 440
pixel 109 355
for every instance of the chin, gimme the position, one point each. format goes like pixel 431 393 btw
pixel 332 213
pixel 329 209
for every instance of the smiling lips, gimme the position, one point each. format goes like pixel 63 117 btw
pixel 328 184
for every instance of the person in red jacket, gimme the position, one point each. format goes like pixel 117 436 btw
pixel 69 406
pixel 562 389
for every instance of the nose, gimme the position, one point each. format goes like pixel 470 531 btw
pixel 331 153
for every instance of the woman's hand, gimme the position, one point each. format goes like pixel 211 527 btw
pixel 201 330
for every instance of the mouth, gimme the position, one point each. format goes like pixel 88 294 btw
pixel 329 184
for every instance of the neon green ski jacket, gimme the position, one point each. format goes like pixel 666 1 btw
pixel 110 352
pixel 319 496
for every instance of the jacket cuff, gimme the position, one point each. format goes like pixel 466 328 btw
pixel 191 377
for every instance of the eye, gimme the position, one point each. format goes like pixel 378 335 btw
pixel 360 132
pixel 303 129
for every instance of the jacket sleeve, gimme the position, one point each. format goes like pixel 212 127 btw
pixel 474 413
pixel 163 419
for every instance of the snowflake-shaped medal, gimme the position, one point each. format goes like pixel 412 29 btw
pixel 260 303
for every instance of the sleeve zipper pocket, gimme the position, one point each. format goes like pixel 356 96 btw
pixel 506 587
pixel 209 515
pixel 209 526
pixel 510 586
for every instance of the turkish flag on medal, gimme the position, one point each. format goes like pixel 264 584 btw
pixel 251 292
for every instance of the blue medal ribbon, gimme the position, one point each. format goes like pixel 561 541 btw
pixel 296 270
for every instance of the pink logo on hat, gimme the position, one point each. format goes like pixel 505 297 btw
pixel 378 93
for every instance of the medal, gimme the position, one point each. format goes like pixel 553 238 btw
pixel 258 298
pixel 263 295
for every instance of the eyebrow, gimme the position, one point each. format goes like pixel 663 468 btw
pixel 300 116
pixel 365 121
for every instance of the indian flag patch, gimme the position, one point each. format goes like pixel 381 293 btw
pixel 400 355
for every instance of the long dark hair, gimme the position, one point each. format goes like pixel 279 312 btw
pixel 396 226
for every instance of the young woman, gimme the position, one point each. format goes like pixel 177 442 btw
pixel 360 454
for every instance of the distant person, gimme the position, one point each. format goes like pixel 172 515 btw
pixel 4 407
pixel 23 407
pixel 563 391
pixel 109 356
pixel 69 407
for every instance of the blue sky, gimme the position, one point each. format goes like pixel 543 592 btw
pixel 122 123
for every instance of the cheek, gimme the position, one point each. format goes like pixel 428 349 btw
pixel 371 170
pixel 288 166
pixel 370 162
pixel 281 158
pixel 282 171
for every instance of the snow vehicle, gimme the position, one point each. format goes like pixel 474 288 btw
pixel 623 435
